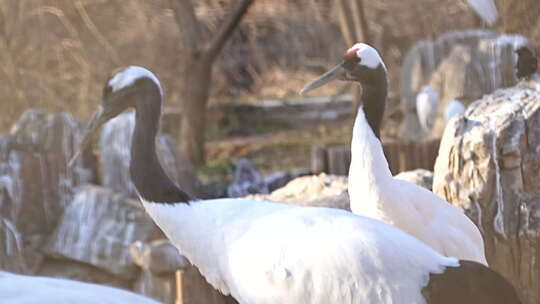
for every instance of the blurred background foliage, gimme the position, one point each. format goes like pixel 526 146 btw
pixel 55 54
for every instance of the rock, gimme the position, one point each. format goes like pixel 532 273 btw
pixel 115 155
pixel 313 190
pixel 489 165
pixel 36 183
pixel 463 65
pixel 420 177
pixel 159 257
pixel 247 180
pixel 11 250
pixel 10 181
pixel 98 227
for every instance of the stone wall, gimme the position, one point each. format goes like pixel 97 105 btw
pixel 489 165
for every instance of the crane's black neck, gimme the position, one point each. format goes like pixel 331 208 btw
pixel 147 174
pixel 374 94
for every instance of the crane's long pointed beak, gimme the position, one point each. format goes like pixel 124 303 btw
pixel 337 72
pixel 98 119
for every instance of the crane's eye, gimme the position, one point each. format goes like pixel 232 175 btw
pixel 351 62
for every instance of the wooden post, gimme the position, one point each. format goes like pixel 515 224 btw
pixel 179 284
pixel 319 160
pixel 192 288
pixel 339 159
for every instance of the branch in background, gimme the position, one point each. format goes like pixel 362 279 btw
pixel 352 20
pixel 188 25
pixel 346 24
pixel 213 48
pixel 95 31
pixel 361 23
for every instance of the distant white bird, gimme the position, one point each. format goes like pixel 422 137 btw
pixel 427 103
pixel 486 9
pixel 375 193
pixel 22 289
pixel 453 108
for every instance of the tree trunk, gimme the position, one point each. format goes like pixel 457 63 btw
pixel 195 90
pixel 197 55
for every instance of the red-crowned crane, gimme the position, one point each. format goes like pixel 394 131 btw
pixel 266 253
pixel 373 191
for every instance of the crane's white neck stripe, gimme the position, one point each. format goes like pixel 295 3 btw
pixel 129 75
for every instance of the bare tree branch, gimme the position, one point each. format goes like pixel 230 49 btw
pixel 361 21
pixel 213 48
pixel 95 31
pixel 190 28
pixel 346 22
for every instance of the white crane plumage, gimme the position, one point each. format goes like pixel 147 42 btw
pixel 375 193
pixel 427 103
pixel 263 252
pixel 22 289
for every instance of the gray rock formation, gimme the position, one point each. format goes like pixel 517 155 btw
pixel 11 249
pixel 114 146
pixel 98 227
pixel 420 177
pixel 463 65
pixel 10 181
pixel 35 183
pixel 489 165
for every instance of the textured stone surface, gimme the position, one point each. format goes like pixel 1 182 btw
pixel 421 177
pixel 35 183
pixel 10 181
pixel 98 227
pixel 114 146
pixel 313 190
pixel 11 250
pixel 463 65
pixel 489 165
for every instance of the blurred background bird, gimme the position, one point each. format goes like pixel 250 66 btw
pixel 427 102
